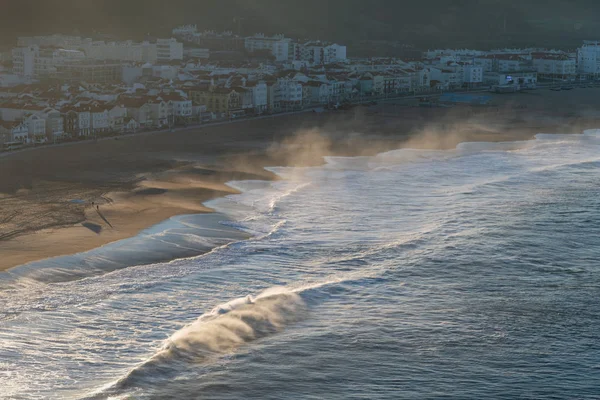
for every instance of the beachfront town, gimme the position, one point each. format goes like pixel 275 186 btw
pixel 59 88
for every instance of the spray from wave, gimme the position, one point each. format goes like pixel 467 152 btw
pixel 218 332
pixel 223 330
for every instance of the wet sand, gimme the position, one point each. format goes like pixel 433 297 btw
pixel 46 194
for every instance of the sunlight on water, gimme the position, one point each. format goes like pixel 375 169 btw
pixel 469 273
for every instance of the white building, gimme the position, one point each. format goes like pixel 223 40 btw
pixel 121 51
pixel 116 118
pixel 317 92
pixel 159 112
pixel 313 52
pixel 259 96
pixel 335 53
pixel 33 61
pixel 84 122
pixel 277 45
pixel 447 77
pixel 131 73
pixel 99 119
pixel 8 80
pixel 486 62
pixel 455 53
pixel 290 93
pixel 178 106
pixel 77 120
pixel 54 123
pixel 14 131
pixel 273 96
pixel 169 49
pixel 519 79
pixel 165 71
pixel 149 52
pixel 24 60
pixel 185 30
pixel 510 63
pixel 64 41
pixel 318 52
pixel 588 58
pixel 198 53
pixel 502 62
pixel 124 51
pixel 48 60
pixel 36 126
pixel 472 75
pixel 551 65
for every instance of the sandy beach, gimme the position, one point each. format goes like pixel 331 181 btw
pixel 66 199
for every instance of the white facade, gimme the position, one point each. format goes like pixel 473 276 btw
pixel 259 96
pixel 555 65
pixel 181 107
pixel 15 131
pixel 124 51
pixel 47 60
pixel 509 65
pixel 290 91
pixel 459 53
pixel 448 78
pixel 8 80
pixel 521 79
pixel 486 63
pixel 140 112
pixel 130 74
pixel 185 30
pixel 169 49
pixel 54 123
pixel 318 92
pixel 64 41
pixel 165 71
pixel 84 122
pixel 121 51
pixel 36 126
pixel 35 62
pixel 473 74
pixel 24 60
pixel 159 112
pixel 335 53
pixel 99 120
pixel 319 53
pixel 313 53
pixel 273 97
pixel 20 133
pixel 149 52
pixel 116 118
pixel 199 53
pixel 588 58
pixel 278 45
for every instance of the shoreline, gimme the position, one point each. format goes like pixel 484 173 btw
pixel 155 178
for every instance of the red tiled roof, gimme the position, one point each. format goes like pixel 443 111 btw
pixel 133 102
pixel 10 124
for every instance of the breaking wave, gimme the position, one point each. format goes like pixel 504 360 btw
pixel 220 331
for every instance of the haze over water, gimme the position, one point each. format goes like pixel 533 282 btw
pixel 471 273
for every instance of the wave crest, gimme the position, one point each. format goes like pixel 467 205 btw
pixel 218 332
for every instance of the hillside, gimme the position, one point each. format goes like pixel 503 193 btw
pixel 472 23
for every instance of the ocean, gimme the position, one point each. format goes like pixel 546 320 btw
pixel 412 274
